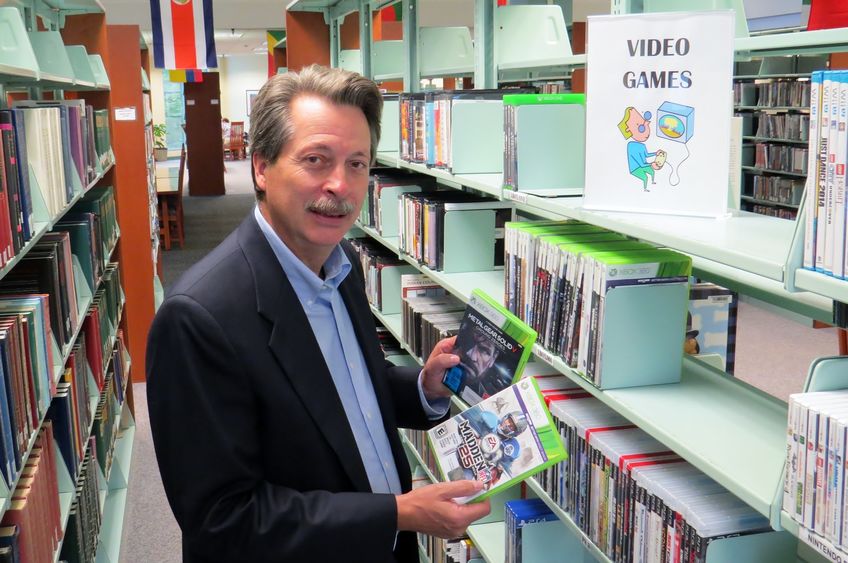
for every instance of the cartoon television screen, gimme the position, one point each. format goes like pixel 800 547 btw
pixel 675 122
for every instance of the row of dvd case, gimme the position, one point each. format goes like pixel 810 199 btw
pixel 633 497
pixel 814 485
pixel 558 274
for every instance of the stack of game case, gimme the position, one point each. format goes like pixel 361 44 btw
pixel 632 496
pixel 374 259
pixel 814 486
pixel 519 514
pixel 493 346
pixel 558 276
pixel 427 319
pixel 423 218
pixel 499 441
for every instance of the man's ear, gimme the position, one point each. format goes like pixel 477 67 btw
pixel 259 166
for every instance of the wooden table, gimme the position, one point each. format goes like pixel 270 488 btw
pixel 169 197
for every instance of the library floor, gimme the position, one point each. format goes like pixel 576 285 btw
pixel 773 353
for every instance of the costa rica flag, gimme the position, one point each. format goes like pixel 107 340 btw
pixel 183 34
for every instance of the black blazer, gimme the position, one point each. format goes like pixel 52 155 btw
pixel 256 454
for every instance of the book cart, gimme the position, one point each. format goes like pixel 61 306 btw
pixel 731 431
pixel 65 50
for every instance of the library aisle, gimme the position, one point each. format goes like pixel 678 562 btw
pixel 151 533
pixel 773 353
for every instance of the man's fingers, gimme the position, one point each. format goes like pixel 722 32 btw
pixel 463 488
pixel 446 345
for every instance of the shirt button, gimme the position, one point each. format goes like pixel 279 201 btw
pixel 368 415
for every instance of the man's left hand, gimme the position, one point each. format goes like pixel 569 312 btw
pixel 441 359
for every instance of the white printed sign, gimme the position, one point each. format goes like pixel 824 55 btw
pixel 125 114
pixel 658 108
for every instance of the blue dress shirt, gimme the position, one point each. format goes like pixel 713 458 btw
pixel 331 324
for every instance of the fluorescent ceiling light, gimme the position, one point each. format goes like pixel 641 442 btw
pixel 228 34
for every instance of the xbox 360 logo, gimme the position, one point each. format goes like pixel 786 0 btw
pixel 613 271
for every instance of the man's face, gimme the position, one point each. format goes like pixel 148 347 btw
pixel 316 186
pixel 507 426
pixel 482 355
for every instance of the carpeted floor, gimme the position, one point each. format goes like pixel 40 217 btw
pixel 773 353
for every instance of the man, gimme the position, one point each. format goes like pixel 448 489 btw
pixel 273 411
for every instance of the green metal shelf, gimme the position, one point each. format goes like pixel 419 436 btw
pixel 410 447
pixel 114 511
pixel 802 42
pixel 822 284
pixel 773 140
pixel 746 241
pixel 773 108
pixel 487 183
pixel 728 429
pixel 774 76
pixel 757 170
pixel 565 518
pixel 459 284
pixel 490 540
pixel 768 202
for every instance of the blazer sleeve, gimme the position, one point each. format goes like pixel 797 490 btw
pixel 203 421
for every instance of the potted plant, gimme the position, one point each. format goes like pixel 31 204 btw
pixel 160 149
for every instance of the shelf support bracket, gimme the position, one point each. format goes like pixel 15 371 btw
pixel 334 39
pixel 411 75
pixel 365 37
pixel 485 71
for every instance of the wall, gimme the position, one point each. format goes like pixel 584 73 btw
pixel 240 73
pixel 157 95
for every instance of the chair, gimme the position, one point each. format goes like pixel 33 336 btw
pixel 234 146
pixel 171 207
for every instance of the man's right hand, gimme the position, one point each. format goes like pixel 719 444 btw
pixel 431 510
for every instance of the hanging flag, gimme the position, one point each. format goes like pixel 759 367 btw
pixel 393 13
pixel 274 36
pixel 193 75
pixel 183 34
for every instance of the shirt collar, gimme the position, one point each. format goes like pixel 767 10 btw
pixel 305 282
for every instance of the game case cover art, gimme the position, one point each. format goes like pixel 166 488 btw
pixel 501 440
pixel 493 346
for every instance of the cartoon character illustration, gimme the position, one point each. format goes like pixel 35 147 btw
pixel 496 438
pixel 637 128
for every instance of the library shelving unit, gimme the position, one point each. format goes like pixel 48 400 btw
pixel 68 52
pixel 731 431
pixel 771 95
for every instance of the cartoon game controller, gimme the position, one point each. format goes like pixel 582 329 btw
pixel 659 160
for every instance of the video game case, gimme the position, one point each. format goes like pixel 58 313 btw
pixel 493 345
pixel 500 441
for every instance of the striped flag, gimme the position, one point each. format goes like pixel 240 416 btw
pixel 185 76
pixel 183 34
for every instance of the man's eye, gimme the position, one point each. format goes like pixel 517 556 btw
pixel 313 159
pixel 359 165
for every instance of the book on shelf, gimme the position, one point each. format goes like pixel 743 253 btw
pixel 493 346
pixel 499 441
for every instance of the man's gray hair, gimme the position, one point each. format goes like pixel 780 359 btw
pixel 271 118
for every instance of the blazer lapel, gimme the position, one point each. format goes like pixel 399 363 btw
pixel 294 346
